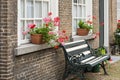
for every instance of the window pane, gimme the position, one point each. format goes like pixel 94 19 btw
pixel 38 9
pixel 80 1
pixel 75 11
pixel 22 8
pixel 38 23
pixel 84 1
pixel 118 5
pixel 75 1
pixel 29 8
pixel 22 30
pixel 84 11
pixel 27 23
pixel 75 24
pixel 79 12
pixel 45 9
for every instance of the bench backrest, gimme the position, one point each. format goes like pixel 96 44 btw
pixel 77 49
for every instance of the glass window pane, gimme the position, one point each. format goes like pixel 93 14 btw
pixel 75 11
pixel 38 23
pixel 118 5
pixel 84 11
pixel 75 25
pixel 75 1
pixel 27 23
pixel 80 1
pixel 38 9
pixel 22 8
pixel 29 8
pixel 45 9
pixel 79 12
pixel 84 1
pixel 22 30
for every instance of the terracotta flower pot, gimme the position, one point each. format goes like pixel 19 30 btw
pixel 82 32
pixel 37 38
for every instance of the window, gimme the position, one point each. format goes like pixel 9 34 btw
pixel 33 11
pixel 118 9
pixel 80 10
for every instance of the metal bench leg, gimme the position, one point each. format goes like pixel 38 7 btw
pixel 66 73
pixel 103 66
pixel 81 74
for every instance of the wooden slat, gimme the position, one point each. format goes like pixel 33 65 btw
pixel 79 51
pixel 69 43
pixel 74 44
pixel 88 59
pixel 76 48
pixel 100 59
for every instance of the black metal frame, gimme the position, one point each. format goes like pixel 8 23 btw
pixel 77 69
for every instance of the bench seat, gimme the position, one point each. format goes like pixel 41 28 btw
pixel 80 56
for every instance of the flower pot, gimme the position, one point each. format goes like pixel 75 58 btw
pixel 37 38
pixel 82 32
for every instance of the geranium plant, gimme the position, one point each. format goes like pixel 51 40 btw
pixel 117 33
pixel 49 30
pixel 88 24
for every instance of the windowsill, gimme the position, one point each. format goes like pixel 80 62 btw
pixel 87 37
pixel 28 48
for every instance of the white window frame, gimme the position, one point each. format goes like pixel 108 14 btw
pixel 53 7
pixel 88 5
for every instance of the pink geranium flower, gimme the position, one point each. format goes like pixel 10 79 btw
pixel 47 20
pixel 56 23
pixel 51 32
pixel 50 13
pixel 31 26
pixel 118 21
pixel 25 32
pixel 56 19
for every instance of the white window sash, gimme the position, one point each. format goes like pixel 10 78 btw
pixel 52 7
pixel 88 11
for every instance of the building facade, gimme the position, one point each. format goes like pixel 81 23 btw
pixel 21 60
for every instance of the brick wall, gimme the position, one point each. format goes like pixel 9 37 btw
pixel 42 65
pixel 7 39
pixel 95 42
pixel 65 13
pixel 112 19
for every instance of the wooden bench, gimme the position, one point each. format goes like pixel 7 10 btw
pixel 79 56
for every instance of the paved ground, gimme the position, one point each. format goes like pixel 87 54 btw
pixel 113 68
pixel 115 59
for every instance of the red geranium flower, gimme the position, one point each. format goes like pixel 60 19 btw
pixel 64 31
pixel 118 21
pixel 56 46
pixel 94 17
pixel 102 24
pixel 31 26
pixel 50 13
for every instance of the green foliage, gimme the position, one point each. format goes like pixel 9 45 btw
pixel 100 51
pixel 117 38
pixel 84 25
pixel 38 30
pixel 44 31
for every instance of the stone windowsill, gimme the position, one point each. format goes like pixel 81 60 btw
pixel 28 48
pixel 87 37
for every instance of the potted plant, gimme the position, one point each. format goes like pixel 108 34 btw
pixel 117 34
pixel 101 51
pixel 84 27
pixel 48 32
pixel 38 34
